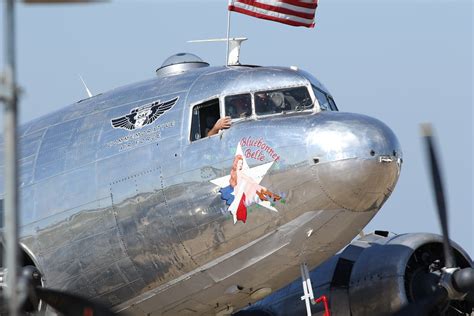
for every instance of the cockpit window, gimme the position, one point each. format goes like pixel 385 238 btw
pixel 326 102
pixel 332 104
pixel 238 106
pixel 205 115
pixel 282 100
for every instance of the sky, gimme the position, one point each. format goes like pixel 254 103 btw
pixel 402 61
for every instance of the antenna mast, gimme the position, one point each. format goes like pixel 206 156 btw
pixel 233 48
pixel 89 94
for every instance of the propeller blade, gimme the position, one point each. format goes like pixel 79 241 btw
pixel 71 304
pixel 439 193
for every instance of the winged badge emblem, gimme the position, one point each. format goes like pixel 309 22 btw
pixel 144 115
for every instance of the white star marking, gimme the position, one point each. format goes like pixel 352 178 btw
pixel 256 173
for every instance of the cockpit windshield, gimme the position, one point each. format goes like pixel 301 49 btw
pixel 238 106
pixel 326 102
pixel 282 100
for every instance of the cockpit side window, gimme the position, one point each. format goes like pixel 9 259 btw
pixel 238 106
pixel 326 102
pixel 332 104
pixel 204 116
pixel 282 100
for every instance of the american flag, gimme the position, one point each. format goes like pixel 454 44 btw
pixel 291 12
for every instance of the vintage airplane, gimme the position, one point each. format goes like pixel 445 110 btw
pixel 126 200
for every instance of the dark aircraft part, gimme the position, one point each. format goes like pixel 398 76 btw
pixel 29 271
pixel 34 296
pixel 71 304
pixel 255 312
pixel 454 283
pixel 404 270
pixel 377 275
pixel 31 277
pixel 463 280
pixel 439 194
pixel 63 302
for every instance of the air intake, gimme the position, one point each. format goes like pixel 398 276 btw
pixel 179 63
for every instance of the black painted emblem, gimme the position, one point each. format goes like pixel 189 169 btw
pixel 143 115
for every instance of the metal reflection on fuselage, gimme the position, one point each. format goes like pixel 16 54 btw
pixel 140 215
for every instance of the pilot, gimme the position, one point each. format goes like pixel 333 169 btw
pixel 262 103
pixel 239 108
pixel 270 102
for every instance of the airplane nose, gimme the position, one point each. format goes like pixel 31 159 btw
pixel 357 161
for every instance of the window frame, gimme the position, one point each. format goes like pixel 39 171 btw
pixel 308 89
pixel 221 100
pixel 329 98
pixel 252 106
pixel 192 106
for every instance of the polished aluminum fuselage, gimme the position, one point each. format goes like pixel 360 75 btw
pixel 132 217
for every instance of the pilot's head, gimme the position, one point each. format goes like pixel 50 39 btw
pixel 241 107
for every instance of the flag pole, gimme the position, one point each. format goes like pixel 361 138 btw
pixel 228 34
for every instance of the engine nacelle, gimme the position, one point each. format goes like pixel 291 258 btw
pixel 395 271
pixel 375 275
